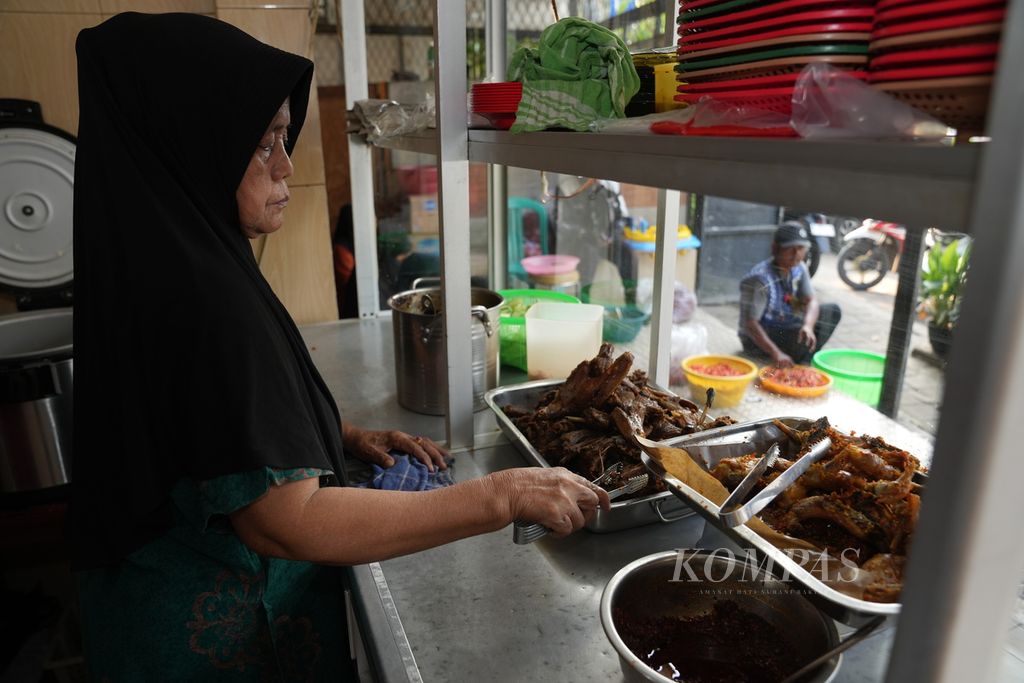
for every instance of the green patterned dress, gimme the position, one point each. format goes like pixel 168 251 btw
pixel 197 605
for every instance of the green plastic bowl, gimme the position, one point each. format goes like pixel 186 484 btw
pixel 512 328
pixel 855 373
pixel 621 323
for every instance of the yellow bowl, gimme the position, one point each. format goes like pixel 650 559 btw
pixel 729 390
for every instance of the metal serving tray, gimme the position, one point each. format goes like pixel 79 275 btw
pixel 659 507
pixel 710 447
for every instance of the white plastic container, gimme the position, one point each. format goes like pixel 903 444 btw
pixel 561 336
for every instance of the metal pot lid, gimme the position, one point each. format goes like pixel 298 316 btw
pixel 35 335
pixel 37 178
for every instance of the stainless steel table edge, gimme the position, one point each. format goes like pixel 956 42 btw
pixel 380 626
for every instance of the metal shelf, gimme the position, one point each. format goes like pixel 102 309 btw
pixel 423 142
pixel 859 178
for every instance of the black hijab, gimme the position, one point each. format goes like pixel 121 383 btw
pixel 187 364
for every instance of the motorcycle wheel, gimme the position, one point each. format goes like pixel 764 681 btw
pixel 813 258
pixel 862 264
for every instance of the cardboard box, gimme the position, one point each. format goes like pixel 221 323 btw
pixel 423 217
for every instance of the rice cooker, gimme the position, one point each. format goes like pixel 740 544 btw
pixel 37 171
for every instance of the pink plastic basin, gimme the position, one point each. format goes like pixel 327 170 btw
pixel 549 264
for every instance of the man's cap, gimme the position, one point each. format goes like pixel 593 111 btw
pixel 792 233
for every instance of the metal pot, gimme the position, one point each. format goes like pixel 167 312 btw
pixel 420 364
pixel 658 586
pixel 36 400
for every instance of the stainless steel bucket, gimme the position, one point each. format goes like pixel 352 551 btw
pixel 36 400
pixel 420 367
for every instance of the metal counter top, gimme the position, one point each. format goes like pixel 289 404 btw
pixel 484 608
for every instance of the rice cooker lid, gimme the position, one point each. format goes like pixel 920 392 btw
pixel 37 173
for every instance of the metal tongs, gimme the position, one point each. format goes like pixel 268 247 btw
pixel 734 512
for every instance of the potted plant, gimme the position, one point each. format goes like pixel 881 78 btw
pixel 942 279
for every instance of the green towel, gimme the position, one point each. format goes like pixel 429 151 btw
pixel 580 72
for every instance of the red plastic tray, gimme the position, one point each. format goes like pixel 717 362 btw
pixel 752 83
pixel 674 128
pixel 941 71
pixel 826 31
pixel 930 9
pixel 778 100
pixel 765 11
pixel 864 14
pixel 925 56
pixel 954 21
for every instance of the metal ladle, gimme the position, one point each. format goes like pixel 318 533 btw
pixel 858 635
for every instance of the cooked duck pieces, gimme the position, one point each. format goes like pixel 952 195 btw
pixel 590 383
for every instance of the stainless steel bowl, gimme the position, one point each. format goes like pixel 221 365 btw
pixel 647 586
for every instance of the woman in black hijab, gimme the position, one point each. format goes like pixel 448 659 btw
pixel 206 511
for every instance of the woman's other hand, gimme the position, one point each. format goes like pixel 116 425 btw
pixel 372 446
pixel 556 498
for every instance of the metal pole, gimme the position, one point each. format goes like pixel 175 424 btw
pixel 360 163
pixel 497 175
pixel 453 196
pixel 965 563
pixel 903 315
pixel 664 286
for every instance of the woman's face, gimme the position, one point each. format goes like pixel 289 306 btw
pixel 263 192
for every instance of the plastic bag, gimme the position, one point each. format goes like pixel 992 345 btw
pixel 829 103
pixel 684 302
pixel 688 339
pixel 382 119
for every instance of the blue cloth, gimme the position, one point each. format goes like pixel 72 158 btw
pixel 408 474
pixel 787 294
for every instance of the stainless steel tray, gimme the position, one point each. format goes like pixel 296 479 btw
pixel 713 445
pixel 659 507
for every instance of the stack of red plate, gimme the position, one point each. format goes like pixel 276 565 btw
pixel 938 55
pixel 752 51
pixel 496 102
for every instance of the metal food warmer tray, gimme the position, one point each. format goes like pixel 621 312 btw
pixel 626 514
pixel 707 449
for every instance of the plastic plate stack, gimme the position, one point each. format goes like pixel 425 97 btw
pixel 751 52
pixel 496 102
pixel 938 56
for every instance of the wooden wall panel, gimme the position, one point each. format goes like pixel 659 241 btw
pixel 52 6
pixel 111 7
pixel 297 259
pixel 39 62
pixel 334 133
pixel 289 29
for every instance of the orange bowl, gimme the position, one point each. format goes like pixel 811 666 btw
pixel 770 380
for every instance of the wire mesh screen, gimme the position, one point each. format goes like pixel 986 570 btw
pixel 400 34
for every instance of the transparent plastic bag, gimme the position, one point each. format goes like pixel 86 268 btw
pixel 382 119
pixel 688 339
pixel 829 103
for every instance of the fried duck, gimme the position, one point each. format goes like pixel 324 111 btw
pixel 861 495
pixel 587 424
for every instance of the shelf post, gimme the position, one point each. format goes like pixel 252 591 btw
pixel 964 567
pixel 360 162
pixel 453 202
pixel 902 325
pixel 664 287
pixel 497 175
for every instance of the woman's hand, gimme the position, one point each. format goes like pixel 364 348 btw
pixel 556 498
pixel 372 447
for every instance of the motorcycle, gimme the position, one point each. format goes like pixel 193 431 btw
pixel 870 252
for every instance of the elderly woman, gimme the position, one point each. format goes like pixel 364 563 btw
pixel 207 513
